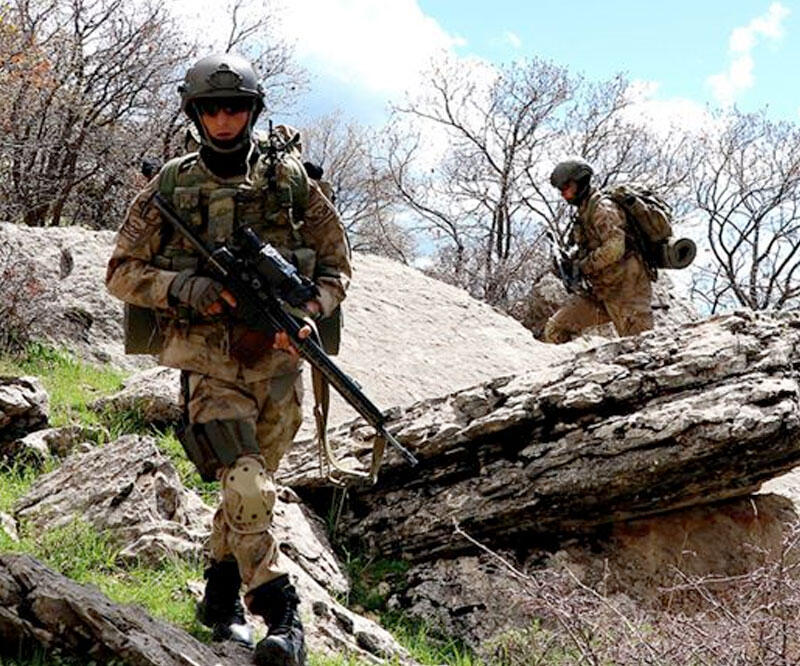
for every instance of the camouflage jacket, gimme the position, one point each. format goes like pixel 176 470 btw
pixel 600 233
pixel 148 255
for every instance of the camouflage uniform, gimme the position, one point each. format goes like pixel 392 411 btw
pixel 230 372
pixel 621 288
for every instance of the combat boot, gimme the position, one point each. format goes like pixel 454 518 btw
pixel 277 603
pixel 221 609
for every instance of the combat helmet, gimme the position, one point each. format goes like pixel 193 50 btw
pixel 221 76
pixel 572 169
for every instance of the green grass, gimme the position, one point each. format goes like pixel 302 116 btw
pixel 372 585
pixel 71 383
pixel 15 480
pixel 90 557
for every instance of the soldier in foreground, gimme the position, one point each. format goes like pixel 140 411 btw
pixel 241 388
pixel 606 260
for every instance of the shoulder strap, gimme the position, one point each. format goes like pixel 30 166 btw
pixel 594 199
pixel 168 178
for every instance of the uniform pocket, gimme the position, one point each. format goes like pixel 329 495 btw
pixel 187 202
pixel 221 213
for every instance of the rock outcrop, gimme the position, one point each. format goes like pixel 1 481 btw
pixel 39 607
pixel 70 264
pixel 478 599
pixel 131 492
pixel 632 428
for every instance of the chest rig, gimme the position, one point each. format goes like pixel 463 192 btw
pixel 271 200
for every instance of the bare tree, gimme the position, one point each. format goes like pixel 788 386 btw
pixel 99 63
pixel 748 191
pixel 90 88
pixel 255 33
pixel 469 199
pixel 362 187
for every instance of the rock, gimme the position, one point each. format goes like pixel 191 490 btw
pixel 80 315
pixel 152 394
pixel 24 407
pixel 127 488
pixel 39 445
pixel 39 607
pixel 9 526
pixel 304 540
pixel 636 427
pixel 479 597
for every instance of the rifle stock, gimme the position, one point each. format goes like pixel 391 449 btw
pixel 260 308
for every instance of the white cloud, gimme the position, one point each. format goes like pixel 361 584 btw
pixel 664 115
pixel 377 46
pixel 727 85
pixel 513 39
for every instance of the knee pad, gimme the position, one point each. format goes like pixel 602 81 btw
pixel 248 496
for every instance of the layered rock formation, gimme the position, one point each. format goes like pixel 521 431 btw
pixel 635 427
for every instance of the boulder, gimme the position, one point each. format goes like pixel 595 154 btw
pixel 151 394
pixel 39 607
pixel 128 489
pixel 38 446
pixel 24 407
pixel 70 263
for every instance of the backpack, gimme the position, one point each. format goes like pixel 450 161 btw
pixel 649 219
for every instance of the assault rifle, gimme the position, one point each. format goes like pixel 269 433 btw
pixel 262 282
pixel 567 267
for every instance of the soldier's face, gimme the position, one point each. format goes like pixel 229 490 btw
pixel 569 191
pixel 225 123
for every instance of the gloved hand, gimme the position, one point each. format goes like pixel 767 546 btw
pixel 199 293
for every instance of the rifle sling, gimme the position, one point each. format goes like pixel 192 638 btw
pixel 328 463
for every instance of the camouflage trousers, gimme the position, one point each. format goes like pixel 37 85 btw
pixel 272 407
pixel 626 304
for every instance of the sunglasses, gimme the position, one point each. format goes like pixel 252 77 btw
pixel 211 107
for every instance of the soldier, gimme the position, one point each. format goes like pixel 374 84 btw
pixel 241 389
pixel 614 271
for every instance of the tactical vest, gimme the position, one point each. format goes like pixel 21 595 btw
pixel 272 205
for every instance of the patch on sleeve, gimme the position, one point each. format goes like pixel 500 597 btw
pixel 319 209
pixel 142 222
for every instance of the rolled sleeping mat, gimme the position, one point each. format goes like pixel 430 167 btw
pixel 677 253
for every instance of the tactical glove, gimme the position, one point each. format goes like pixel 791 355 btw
pixel 199 293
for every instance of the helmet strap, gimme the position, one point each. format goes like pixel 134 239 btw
pixel 583 191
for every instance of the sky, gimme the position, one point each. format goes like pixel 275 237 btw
pixel 363 54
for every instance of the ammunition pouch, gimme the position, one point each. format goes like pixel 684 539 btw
pixel 177 263
pixel 330 331
pixel 217 443
pixel 143 330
